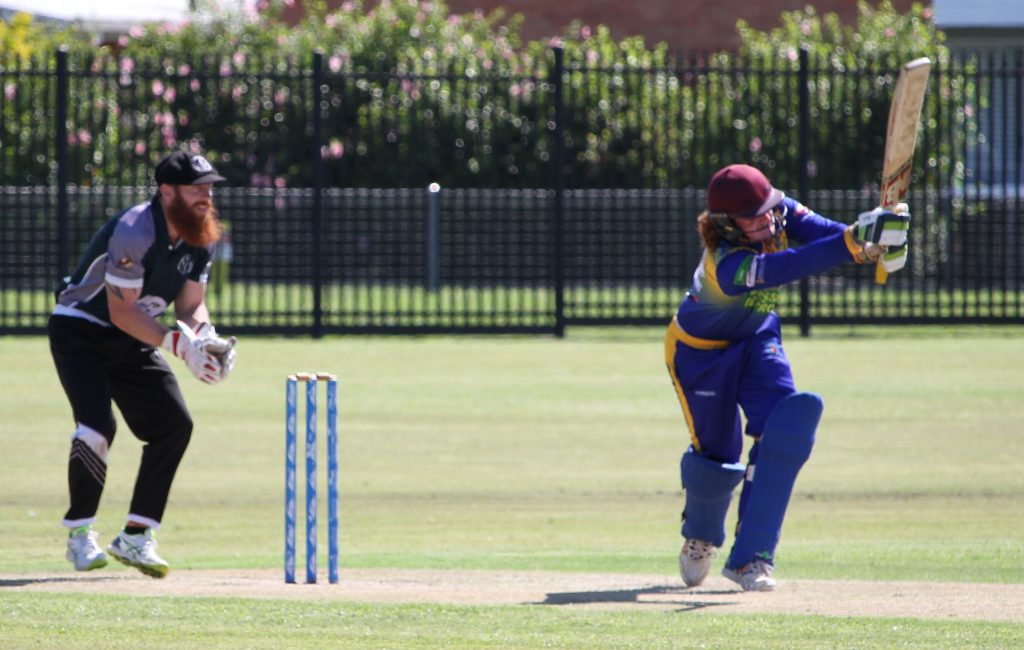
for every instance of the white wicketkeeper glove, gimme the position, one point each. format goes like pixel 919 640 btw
pixel 203 365
pixel 212 343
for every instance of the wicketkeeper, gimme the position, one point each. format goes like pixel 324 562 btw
pixel 724 353
pixel 106 342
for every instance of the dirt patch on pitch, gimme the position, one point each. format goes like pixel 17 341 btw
pixel 933 600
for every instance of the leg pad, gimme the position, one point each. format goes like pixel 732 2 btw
pixel 709 486
pixel 785 445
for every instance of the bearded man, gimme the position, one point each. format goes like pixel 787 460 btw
pixel 106 339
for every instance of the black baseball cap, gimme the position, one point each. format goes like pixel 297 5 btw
pixel 183 168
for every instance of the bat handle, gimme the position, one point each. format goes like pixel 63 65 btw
pixel 881 275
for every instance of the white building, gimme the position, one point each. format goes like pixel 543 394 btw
pixel 980 24
pixel 995 30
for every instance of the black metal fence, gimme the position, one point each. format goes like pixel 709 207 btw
pixel 530 230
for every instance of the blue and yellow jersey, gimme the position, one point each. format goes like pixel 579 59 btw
pixel 735 287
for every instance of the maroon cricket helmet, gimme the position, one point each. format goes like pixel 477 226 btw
pixel 741 192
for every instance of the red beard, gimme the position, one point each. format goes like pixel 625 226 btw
pixel 195 227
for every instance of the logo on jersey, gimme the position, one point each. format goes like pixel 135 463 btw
pixel 761 301
pixel 186 264
pixel 750 273
pixel 201 165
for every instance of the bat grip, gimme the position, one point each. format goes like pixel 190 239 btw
pixel 881 275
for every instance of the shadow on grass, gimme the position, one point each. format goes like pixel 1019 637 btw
pixel 660 596
pixel 25 582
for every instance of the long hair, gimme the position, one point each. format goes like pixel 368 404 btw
pixel 709 232
pixel 714 228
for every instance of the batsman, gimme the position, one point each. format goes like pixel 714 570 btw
pixel 724 355
pixel 106 340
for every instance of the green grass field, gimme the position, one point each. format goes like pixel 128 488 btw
pixel 544 454
pixel 353 305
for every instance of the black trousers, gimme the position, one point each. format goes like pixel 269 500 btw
pixel 99 366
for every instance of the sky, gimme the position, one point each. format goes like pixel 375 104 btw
pixel 102 10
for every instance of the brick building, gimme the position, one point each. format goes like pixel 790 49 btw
pixel 685 25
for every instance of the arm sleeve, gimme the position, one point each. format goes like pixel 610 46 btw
pixel 204 260
pixel 125 251
pixel 804 225
pixel 744 270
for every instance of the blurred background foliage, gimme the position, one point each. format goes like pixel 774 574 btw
pixel 410 94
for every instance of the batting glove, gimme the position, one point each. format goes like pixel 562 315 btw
pixel 895 258
pixel 883 227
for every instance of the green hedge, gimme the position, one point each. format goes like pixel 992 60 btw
pixel 413 94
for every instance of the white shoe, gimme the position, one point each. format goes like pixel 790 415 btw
pixel 756 576
pixel 695 560
pixel 84 551
pixel 139 551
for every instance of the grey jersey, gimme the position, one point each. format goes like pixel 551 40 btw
pixel 134 251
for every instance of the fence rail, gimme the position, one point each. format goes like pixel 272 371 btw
pixel 535 237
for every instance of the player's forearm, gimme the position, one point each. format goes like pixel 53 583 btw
pixel 140 325
pixel 126 315
pixel 193 316
pixel 190 304
pixel 812 227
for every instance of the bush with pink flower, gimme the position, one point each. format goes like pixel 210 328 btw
pixel 407 94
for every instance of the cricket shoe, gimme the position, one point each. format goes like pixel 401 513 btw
pixel 83 550
pixel 139 551
pixel 695 560
pixel 756 576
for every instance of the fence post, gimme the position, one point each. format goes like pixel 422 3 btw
pixel 433 237
pixel 1018 165
pixel 63 164
pixel 804 181
pixel 316 143
pixel 558 183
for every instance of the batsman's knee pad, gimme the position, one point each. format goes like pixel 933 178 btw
pixel 788 435
pixel 785 445
pixel 709 485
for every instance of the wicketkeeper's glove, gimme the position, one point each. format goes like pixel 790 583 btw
pixel 221 348
pixel 203 365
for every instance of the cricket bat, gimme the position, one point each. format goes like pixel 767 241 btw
pixel 901 137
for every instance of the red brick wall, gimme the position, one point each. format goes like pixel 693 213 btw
pixel 684 24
